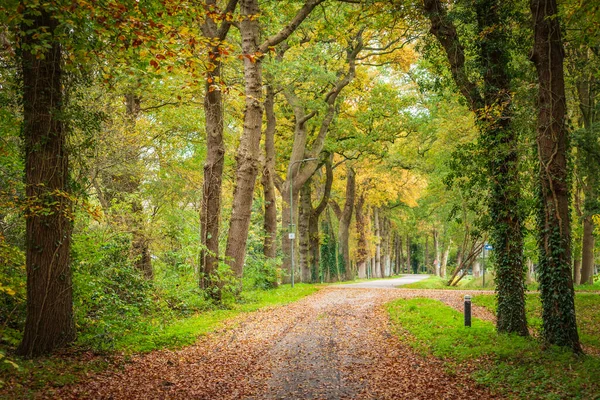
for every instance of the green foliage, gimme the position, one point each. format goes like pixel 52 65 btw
pixel 511 365
pixel 110 294
pixel 261 272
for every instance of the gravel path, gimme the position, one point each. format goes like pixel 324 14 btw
pixel 335 344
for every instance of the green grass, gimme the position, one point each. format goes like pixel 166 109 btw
pixel 513 366
pixel 578 288
pixel 435 282
pixel 587 309
pixel 185 331
pixel 30 376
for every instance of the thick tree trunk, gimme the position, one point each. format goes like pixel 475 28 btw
pixel 587 252
pixel 248 150
pixel 210 212
pixel 556 284
pixel 49 323
pixel 270 222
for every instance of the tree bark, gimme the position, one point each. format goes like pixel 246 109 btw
pixel 361 231
pixel 587 253
pixel 210 212
pixel 270 222
pixel 445 261
pixel 554 220
pixel 577 270
pixel 49 322
pixel 303 230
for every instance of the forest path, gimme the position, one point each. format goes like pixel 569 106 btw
pixel 334 344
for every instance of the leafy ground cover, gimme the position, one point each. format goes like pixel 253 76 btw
pixel 21 378
pixel 510 365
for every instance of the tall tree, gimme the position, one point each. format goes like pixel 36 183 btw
pixel 248 150
pixel 554 218
pixel 49 323
pixel 215 28
pixel 491 103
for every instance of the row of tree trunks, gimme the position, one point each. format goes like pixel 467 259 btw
pixel 302 164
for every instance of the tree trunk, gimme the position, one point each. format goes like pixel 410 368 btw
pixel 361 227
pixel 556 283
pixel 408 260
pixel 248 150
pixel 346 218
pixel 49 322
pixel 210 211
pixel 303 230
pixel 445 261
pixel 476 269
pixel 587 253
pixel 401 254
pixel 270 222
pixel 437 250
pixel 377 232
pixel 577 271
pixel 426 255
pixel 314 257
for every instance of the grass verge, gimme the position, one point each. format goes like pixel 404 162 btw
pixel 435 282
pixel 23 378
pixel 513 366
pixel 587 309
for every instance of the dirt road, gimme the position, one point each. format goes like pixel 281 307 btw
pixel 335 344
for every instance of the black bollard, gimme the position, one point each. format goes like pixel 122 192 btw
pixel 467 310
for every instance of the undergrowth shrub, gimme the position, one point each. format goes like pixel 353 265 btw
pixel 109 293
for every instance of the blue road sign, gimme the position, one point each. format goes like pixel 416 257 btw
pixel 488 247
